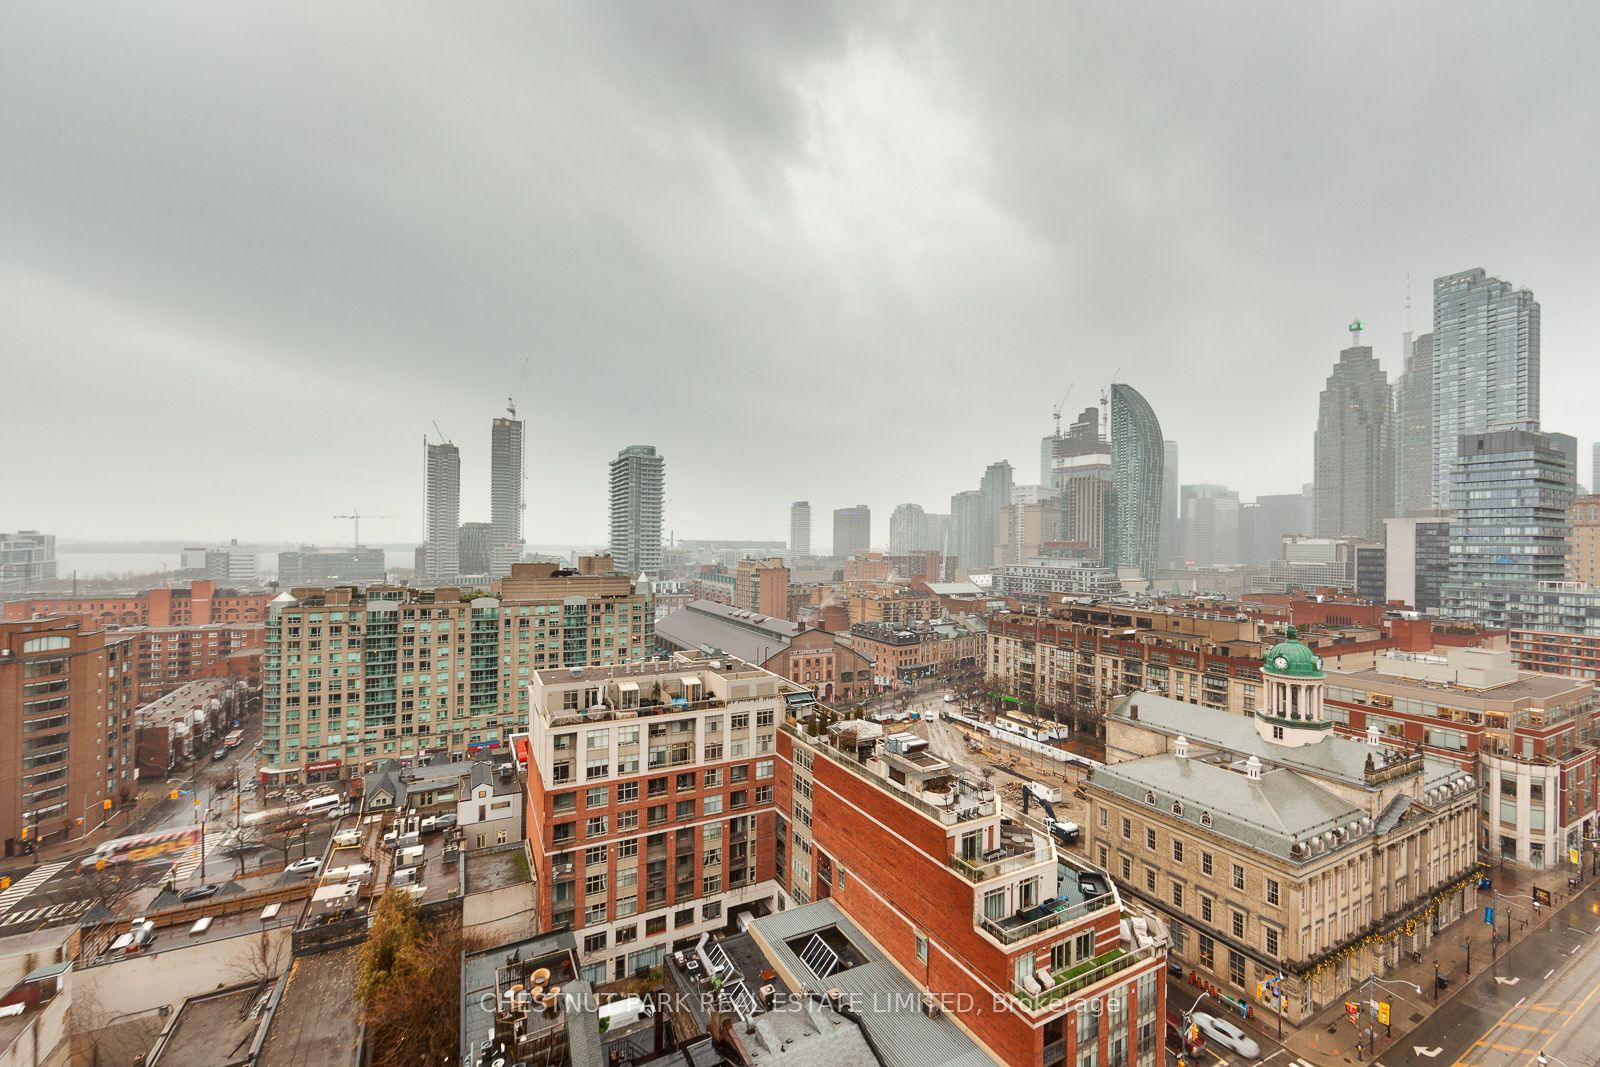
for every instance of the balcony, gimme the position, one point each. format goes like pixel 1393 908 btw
pixel 1013 855
pixel 1080 891
pixel 1073 980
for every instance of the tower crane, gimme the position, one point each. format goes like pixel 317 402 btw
pixel 511 401
pixel 356 517
pixel 1055 412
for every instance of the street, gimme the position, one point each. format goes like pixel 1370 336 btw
pixel 1542 995
pixel 51 891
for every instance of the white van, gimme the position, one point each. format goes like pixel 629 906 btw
pixel 321 805
pixel 624 1012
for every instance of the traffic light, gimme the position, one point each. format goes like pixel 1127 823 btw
pixel 1352 1011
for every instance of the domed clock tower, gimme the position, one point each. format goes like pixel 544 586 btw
pixel 1293 713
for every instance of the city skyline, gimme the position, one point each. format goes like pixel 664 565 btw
pixel 792 174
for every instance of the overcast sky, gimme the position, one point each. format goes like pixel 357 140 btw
pixel 846 254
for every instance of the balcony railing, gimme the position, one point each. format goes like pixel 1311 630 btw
pixel 1008 934
pixel 975 871
pixel 1081 976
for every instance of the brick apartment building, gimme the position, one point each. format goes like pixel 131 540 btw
pixel 650 803
pixel 900 606
pixel 901 656
pixel 1528 740
pixel 200 604
pixel 762 586
pixel 966 902
pixel 67 699
pixel 168 657
pixel 353 675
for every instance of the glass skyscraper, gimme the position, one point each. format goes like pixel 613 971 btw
pixel 1138 455
pixel 1508 528
pixel 1485 364
pixel 1354 448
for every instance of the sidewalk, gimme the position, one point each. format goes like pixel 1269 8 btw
pixel 1329 1037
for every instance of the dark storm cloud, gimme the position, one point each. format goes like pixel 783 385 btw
pixel 808 251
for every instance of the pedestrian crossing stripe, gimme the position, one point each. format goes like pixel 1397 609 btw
pixel 34 878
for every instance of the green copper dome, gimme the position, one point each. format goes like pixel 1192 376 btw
pixel 1290 658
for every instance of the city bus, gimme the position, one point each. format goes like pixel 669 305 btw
pixel 142 848
pixel 234 739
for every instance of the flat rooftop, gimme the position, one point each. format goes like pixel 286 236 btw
pixel 489 869
pixel 216 1028
pixel 316 1023
pixel 1526 687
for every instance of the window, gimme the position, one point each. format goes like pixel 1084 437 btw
pixel 1103 814
pixel 1269 939
pixel 1127 828
pixel 1235 968
pixel 740 773
pixel 657 925
pixel 597 740
pixel 1238 876
pixel 597 798
pixel 627 792
pixel 994 904
pixel 594 883
pixel 1238 924
pixel 685 783
pixel 683 917
pixel 712 884
pixel 594 942
pixel 1127 868
pixel 627 933
pixel 1272 891
pixel 1205 862
pixel 1177 895
pixel 595 827
pixel 1150 838
pixel 763 768
pixel 1205 909
pixel 628 820
pixel 658 787
pixel 922 948
pixel 763 794
pixel 740 720
pixel 712 805
pixel 713 778
pixel 1150 879
pixel 627 849
pixel 1208 951
pixel 685 810
pixel 594 855
pixel 711 911
pixel 563 803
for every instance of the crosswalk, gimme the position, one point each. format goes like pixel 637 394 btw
pixel 189 862
pixel 27 883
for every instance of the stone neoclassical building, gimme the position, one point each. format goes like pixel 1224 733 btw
pixel 1271 845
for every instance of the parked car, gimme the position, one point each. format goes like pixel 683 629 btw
pixel 219 755
pixel 1227 1035
pixel 308 865
pixel 341 811
pixel 199 892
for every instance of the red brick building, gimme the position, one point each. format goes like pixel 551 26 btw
pixel 966 902
pixel 200 604
pixel 66 708
pixel 168 657
pixel 650 793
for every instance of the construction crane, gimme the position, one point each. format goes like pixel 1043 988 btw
pixel 511 401
pixel 356 517
pixel 440 432
pixel 1056 412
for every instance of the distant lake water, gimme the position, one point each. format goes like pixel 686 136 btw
pixel 111 564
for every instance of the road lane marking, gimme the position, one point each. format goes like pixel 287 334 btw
pixel 1548 973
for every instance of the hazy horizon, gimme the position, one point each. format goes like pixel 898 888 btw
pixel 841 253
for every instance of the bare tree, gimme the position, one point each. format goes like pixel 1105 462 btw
pixel 263 958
